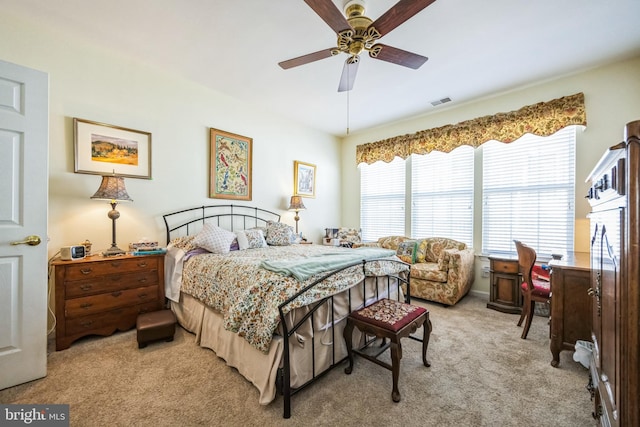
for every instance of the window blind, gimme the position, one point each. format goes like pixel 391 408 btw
pixel 528 193
pixel 442 194
pixel 382 199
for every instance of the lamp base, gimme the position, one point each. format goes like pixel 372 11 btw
pixel 113 251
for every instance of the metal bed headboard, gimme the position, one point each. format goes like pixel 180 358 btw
pixel 186 222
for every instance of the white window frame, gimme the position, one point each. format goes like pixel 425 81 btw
pixel 442 194
pixel 528 194
pixel 382 199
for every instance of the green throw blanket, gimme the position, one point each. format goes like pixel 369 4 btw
pixel 304 268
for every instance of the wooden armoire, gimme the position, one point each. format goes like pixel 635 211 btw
pixel 615 262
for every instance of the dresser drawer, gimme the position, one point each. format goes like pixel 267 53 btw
pixel 120 318
pixel 510 267
pixel 106 284
pixel 103 302
pixel 88 270
pixel 100 295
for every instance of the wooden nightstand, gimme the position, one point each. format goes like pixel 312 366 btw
pixel 99 295
pixel 505 281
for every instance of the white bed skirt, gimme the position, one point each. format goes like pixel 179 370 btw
pixel 261 369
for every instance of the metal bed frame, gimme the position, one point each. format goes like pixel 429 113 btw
pixel 232 216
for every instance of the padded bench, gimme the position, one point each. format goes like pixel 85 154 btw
pixel 155 326
pixel 392 320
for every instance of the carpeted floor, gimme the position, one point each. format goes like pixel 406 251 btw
pixel 481 374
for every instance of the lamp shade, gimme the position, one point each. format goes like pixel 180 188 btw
pixel 112 188
pixel 296 204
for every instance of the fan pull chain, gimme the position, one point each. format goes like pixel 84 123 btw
pixel 348 112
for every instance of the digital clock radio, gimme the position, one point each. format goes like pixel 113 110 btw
pixel 68 253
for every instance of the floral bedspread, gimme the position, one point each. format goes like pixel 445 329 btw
pixel 248 296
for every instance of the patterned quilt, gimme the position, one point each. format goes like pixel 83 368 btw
pixel 248 296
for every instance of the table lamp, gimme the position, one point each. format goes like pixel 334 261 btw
pixel 112 188
pixel 296 205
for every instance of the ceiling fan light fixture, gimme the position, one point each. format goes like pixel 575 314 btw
pixel 357 32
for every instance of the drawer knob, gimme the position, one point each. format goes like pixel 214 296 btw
pixel 142 296
pixel 85 271
pixel 85 305
pixel 86 323
pixel 142 264
pixel 116 293
pixel 86 287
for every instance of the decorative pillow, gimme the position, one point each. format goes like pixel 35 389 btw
pixel 214 239
pixel 251 239
pixel 234 245
pixel 407 251
pixel 279 234
pixel 422 250
pixel 185 243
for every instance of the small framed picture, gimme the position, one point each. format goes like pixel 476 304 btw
pixel 304 179
pixel 102 149
pixel 230 174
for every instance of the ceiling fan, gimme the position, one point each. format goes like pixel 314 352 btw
pixel 357 33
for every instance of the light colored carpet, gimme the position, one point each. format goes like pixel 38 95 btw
pixel 481 374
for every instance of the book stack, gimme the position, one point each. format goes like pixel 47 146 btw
pixel 146 248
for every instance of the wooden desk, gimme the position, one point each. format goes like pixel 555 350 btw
pixel 570 303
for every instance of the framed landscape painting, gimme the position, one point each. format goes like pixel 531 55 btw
pixel 230 166
pixel 102 149
pixel 304 179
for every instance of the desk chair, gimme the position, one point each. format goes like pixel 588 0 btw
pixel 533 290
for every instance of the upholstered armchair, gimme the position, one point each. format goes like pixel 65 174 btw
pixel 442 269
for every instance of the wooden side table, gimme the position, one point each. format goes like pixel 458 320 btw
pixel 99 295
pixel 505 280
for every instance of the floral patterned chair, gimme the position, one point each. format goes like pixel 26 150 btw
pixel 442 269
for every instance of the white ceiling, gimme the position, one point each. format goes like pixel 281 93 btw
pixel 475 48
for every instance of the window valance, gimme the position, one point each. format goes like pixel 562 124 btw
pixel 542 119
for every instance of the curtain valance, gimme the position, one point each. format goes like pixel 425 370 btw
pixel 543 119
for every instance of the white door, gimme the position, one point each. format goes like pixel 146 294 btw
pixel 23 212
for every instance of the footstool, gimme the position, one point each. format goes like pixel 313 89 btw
pixel 154 326
pixel 392 320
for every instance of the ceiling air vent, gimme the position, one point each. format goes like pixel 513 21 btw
pixel 440 101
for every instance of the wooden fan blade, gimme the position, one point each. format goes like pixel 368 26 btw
pixel 349 72
pixel 330 14
pixel 399 13
pixel 305 59
pixel 397 56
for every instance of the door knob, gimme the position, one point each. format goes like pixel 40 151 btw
pixel 30 240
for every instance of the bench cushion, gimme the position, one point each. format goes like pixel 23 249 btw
pixel 389 314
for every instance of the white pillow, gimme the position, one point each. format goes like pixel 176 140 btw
pixel 214 239
pixel 250 239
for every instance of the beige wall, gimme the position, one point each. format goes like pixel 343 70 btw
pixel 100 85
pixel 612 98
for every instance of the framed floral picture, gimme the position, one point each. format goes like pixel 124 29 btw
pixel 101 149
pixel 304 179
pixel 230 166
